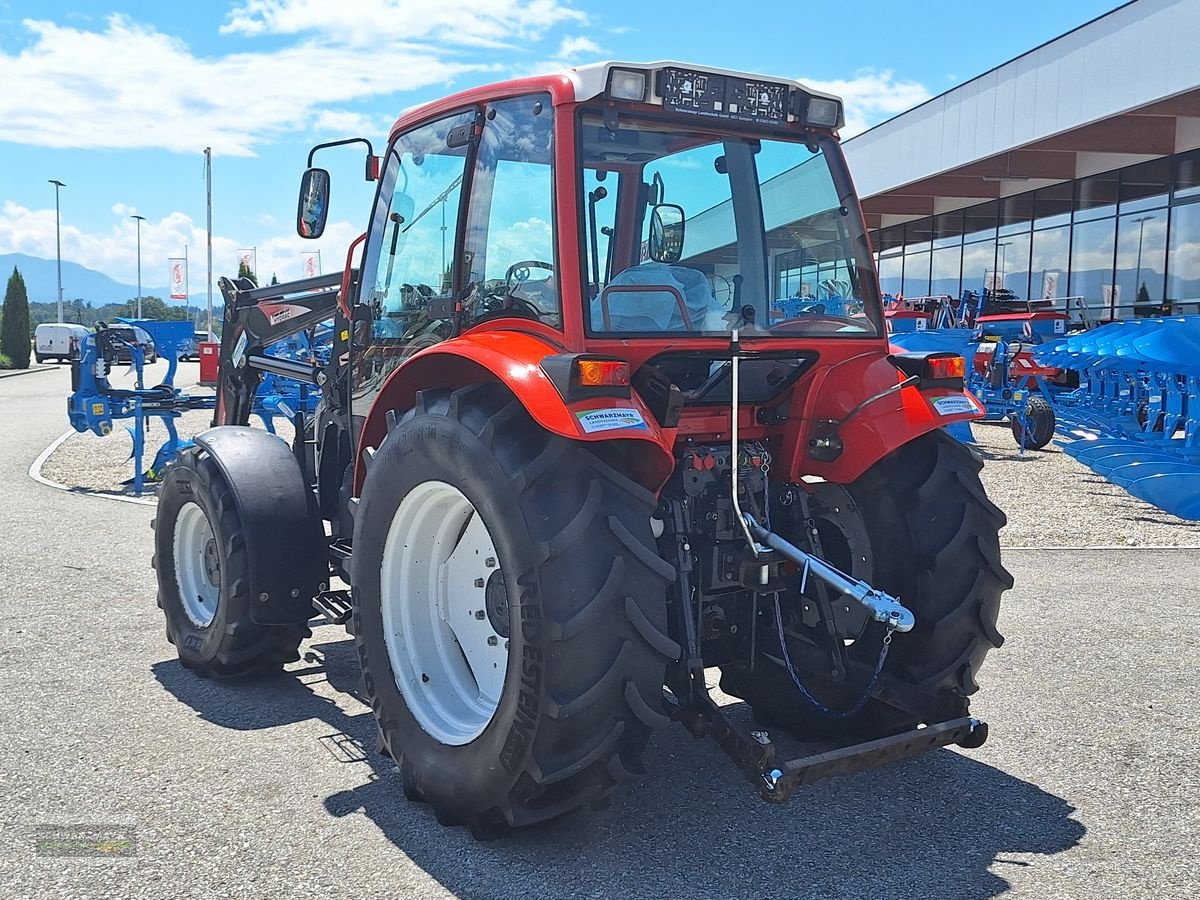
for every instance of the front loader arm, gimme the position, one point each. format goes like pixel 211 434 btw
pixel 256 318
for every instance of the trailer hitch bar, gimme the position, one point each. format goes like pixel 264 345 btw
pixel 881 606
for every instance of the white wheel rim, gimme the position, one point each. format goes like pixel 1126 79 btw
pixel 197 565
pixel 448 657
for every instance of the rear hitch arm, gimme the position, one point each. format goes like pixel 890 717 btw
pixel 882 606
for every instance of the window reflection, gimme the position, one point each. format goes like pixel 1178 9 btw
pixel 1141 257
pixel 1012 263
pixel 946 269
pixel 1092 246
pixel 916 275
pixel 1096 197
pixel 1048 267
pixel 1183 282
pixel 891 274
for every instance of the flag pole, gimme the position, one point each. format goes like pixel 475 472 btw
pixel 208 182
pixel 187 288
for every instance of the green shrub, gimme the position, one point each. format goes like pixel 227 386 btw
pixel 5 362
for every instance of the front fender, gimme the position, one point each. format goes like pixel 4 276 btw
pixel 514 359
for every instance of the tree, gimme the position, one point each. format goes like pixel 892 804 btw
pixel 155 308
pixel 244 272
pixel 274 278
pixel 14 331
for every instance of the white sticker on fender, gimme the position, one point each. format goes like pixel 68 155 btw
pixel 954 404
pixel 591 420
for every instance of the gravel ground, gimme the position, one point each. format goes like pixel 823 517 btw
pixel 1053 501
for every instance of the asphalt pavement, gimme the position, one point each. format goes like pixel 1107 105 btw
pixel 1088 787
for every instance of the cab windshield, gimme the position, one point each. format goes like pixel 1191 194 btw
pixel 691 231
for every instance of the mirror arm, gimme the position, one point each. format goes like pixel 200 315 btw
pixel 372 170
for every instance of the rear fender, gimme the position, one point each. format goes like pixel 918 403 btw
pixel 514 359
pixel 879 428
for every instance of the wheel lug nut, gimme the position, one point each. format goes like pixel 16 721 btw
pixel 492 641
pixel 479 614
pixel 478 582
pixel 490 562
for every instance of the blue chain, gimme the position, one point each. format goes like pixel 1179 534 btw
pixel 817 704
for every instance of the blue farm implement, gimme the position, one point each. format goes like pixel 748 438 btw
pixel 1003 377
pixel 94 403
pixel 1135 416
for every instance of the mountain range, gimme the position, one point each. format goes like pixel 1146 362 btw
pixel 77 281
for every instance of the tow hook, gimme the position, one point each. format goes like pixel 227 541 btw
pixel 881 606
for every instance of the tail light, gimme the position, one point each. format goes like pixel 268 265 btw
pixel 944 368
pixel 600 373
pixel 936 369
pixel 578 375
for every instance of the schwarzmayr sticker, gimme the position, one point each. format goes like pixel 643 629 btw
pixel 592 420
pixel 954 405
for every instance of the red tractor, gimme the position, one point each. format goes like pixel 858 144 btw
pixel 565 459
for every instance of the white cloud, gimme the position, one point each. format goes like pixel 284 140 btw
pixel 131 86
pixel 114 251
pixel 488 22
pixel 346 123
pixel 572 47
pixel 871 96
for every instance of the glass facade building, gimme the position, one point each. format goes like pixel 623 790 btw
pixel 1125 242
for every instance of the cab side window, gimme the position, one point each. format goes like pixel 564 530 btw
pixel 510 259
pixel 409 258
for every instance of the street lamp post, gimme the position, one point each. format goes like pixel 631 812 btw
pixel 140 220
pixel 58 242
pixel 1141 224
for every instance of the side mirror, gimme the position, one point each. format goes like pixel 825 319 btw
pixel 666 233
pixel 313 208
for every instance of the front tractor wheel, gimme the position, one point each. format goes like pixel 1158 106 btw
pixel 205 584
pixel 509 613
pixel 919 526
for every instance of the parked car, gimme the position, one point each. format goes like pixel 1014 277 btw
pixel 191 350
pixel 54 340
pixel 132 334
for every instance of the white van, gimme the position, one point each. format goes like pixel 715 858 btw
pixel 53 339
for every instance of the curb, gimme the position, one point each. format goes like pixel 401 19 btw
pixel 13 373
pixel 35 472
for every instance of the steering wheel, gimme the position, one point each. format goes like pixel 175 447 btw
pixel 799 323
pixel 514 278
pixel 518 272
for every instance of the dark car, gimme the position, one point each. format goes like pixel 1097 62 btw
pixel 122 336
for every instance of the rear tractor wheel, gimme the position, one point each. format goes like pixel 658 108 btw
pixel 918 525
pixel 509 612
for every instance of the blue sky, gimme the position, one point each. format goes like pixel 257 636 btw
pixel 118 99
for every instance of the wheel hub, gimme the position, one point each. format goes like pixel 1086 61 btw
pixel 496 603
pixel 212 562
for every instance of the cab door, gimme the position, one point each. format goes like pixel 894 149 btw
pixel 408 278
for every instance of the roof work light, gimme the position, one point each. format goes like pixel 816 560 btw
pixel 627 84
